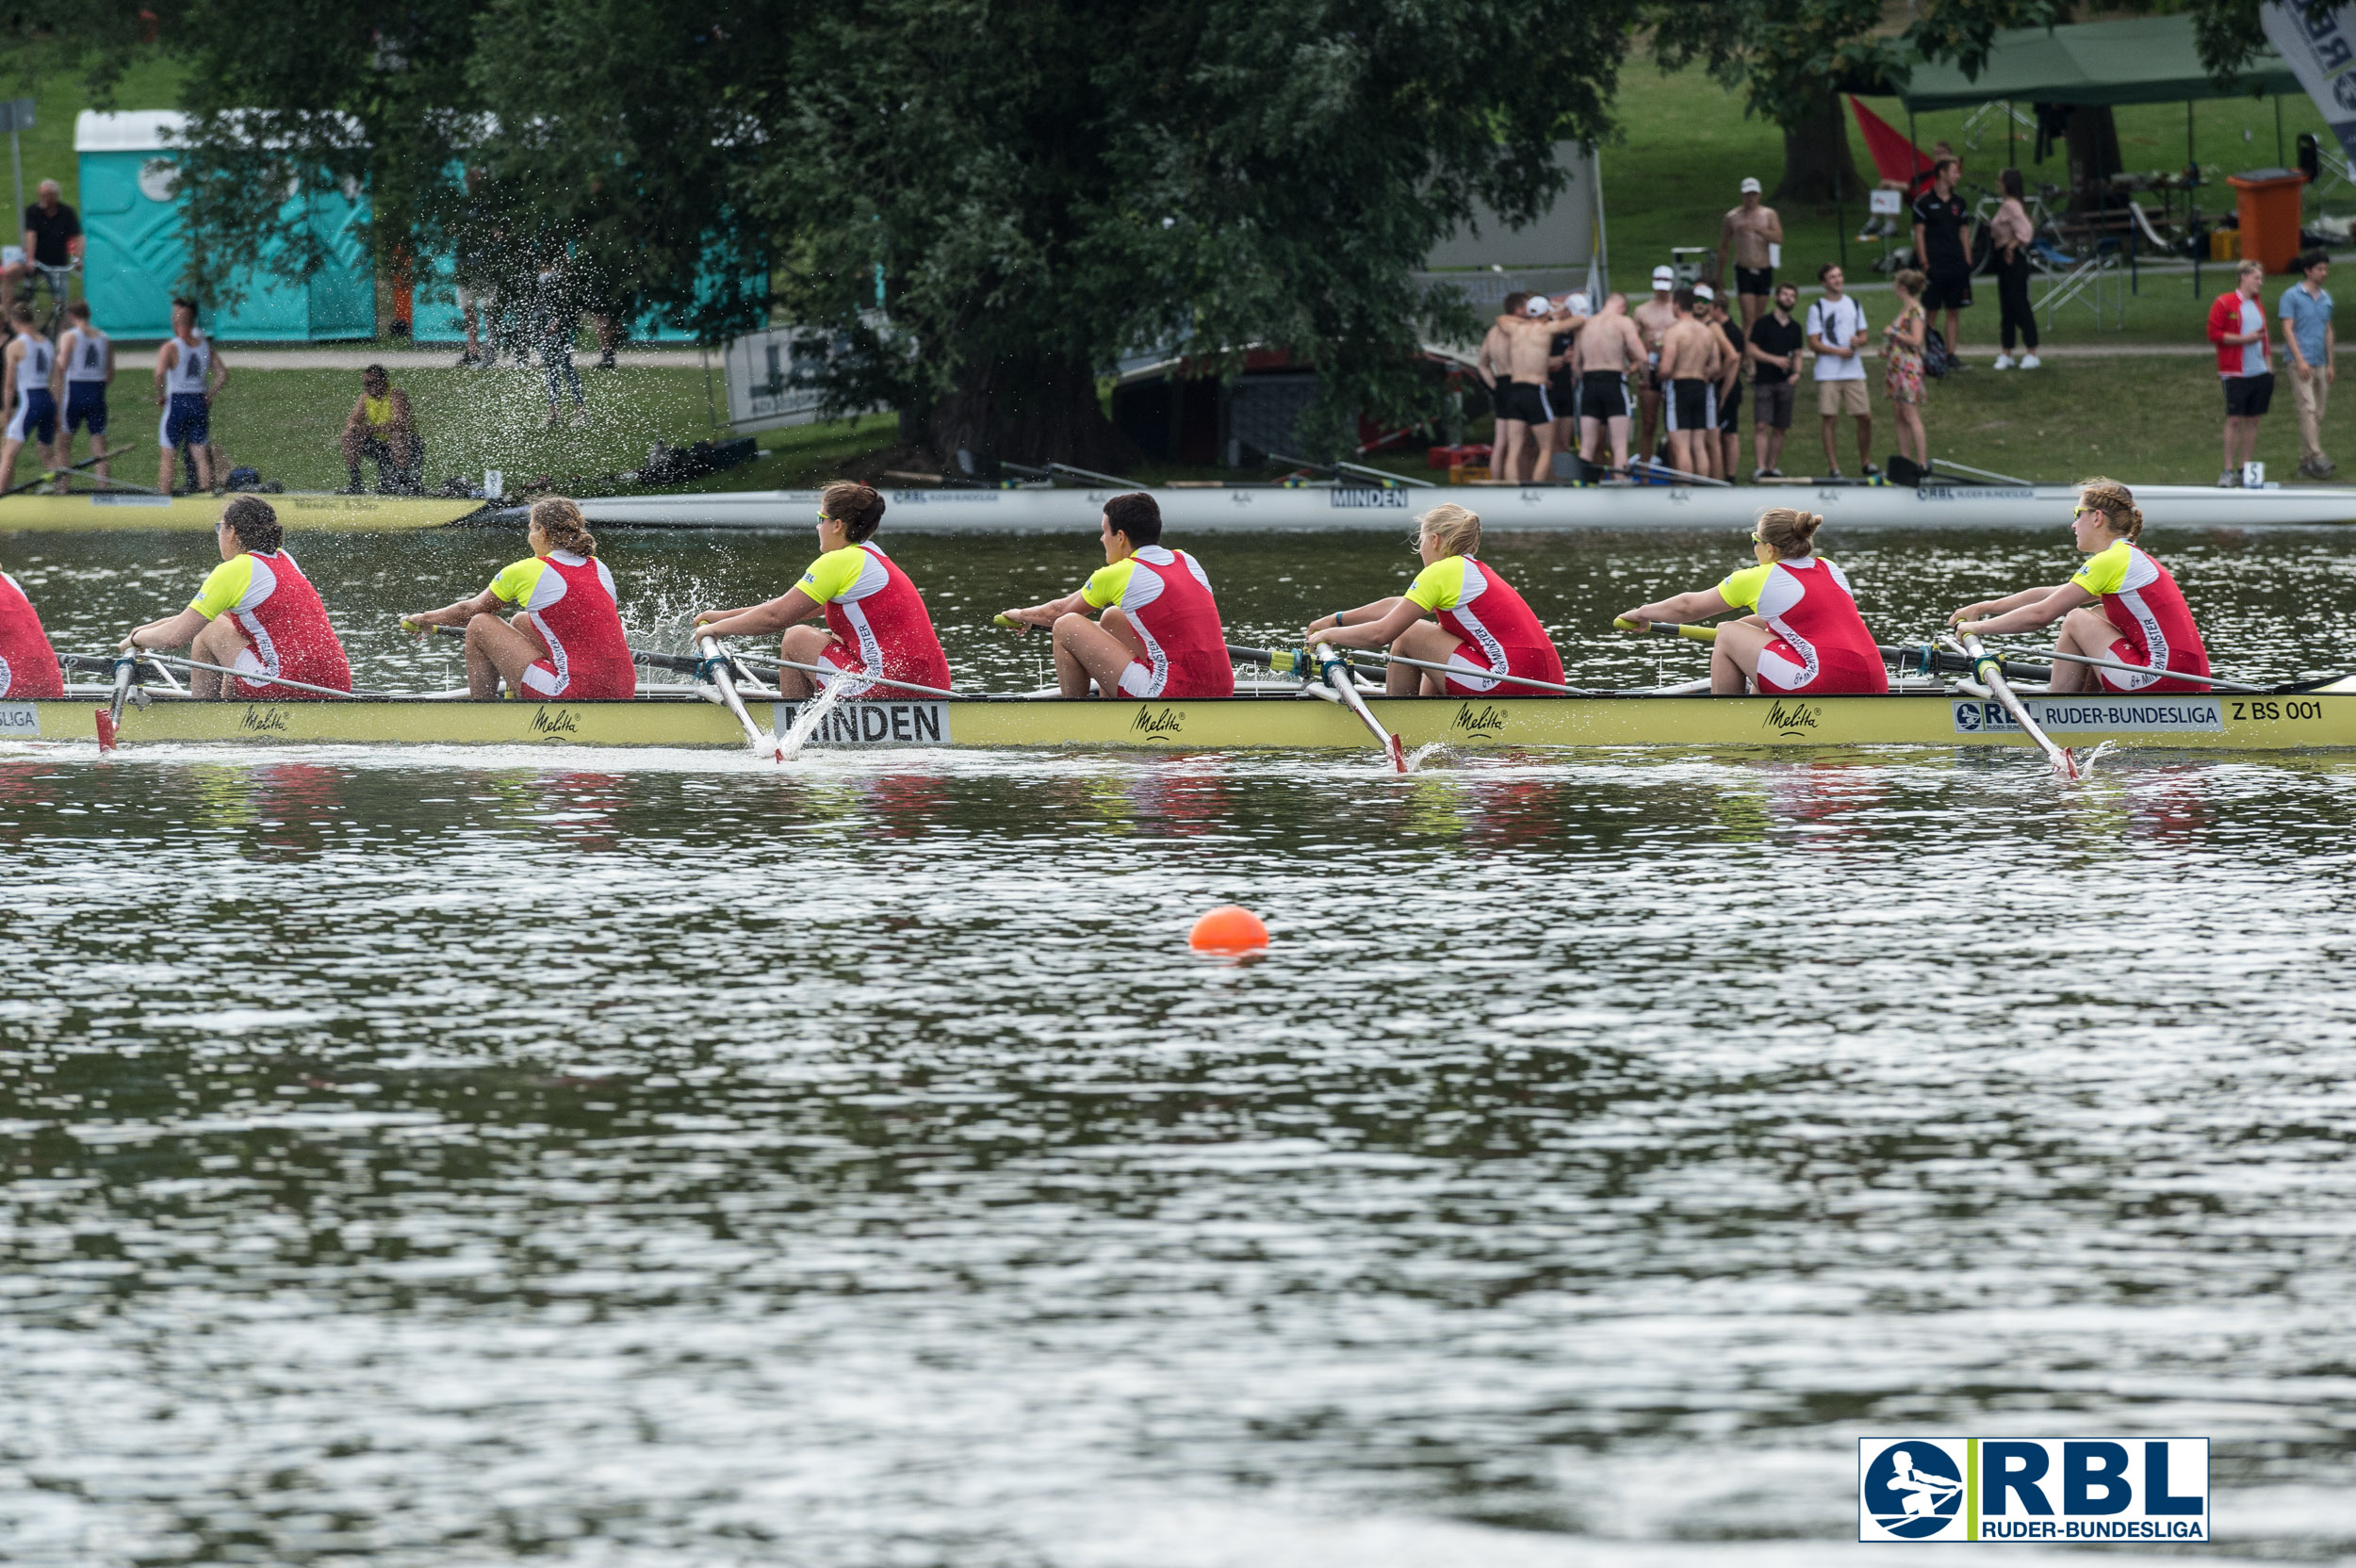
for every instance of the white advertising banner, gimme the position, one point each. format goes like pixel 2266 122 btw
pixel 2321 52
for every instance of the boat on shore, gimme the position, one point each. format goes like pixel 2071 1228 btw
pixel 301 511
pixel 1545 508
pixel 2294 717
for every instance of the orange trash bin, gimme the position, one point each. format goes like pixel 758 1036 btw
pixel 2268 201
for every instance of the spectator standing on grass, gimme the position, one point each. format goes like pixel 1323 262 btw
pixel 1902 365
pixel 2010 233
pixel 1835 330
pixel 1943 231
pixel 2314 351
pixel 1742 241
pixel 2237 325
pixel 53 237
pixel 189 376
pixel 86 366
pixel 558 317
pixel 1730 390
pixel 1774 351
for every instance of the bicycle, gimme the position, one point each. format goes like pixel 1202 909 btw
pixel 55 277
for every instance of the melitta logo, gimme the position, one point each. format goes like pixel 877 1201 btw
pixel 555 721
pixel 2033 1489
pixel 1483 720
pixel 1789 718
pixel 263 720
pixel 1157 721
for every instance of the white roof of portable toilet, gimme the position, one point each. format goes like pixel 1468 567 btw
pixel 129 131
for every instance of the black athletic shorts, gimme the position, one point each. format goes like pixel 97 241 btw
pixel 1948 291
pixel 1525 401
pixel 1562 394
pixel 1496 399
pixel 1730 407
pixel 1693 404
pixel 2247 397
pixel 1755 280
pixel 1602 395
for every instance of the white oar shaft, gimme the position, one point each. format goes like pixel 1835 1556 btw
pixel 1336 676
pixel 1984 666
pixel 714 677
pixel 854 675
pixel 253 677
pixel 1469 675
pixel 2213 683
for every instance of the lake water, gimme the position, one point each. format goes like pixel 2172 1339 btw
pixel 454 1157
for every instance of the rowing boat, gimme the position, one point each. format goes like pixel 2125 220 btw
pixel 2292 718
pixel 1251 509
pixel 299 511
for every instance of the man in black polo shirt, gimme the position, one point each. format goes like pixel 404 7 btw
pixel 1774 351
pixel 53 237
pixel 1943 228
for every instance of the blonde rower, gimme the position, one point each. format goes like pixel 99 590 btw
pixel 567 640
pixel 1804 633
pixel 1458 612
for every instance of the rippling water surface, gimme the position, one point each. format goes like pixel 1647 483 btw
pixel 435 1157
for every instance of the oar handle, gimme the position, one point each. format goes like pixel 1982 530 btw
pixel 1672 629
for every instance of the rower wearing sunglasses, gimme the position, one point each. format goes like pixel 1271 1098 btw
pixel 1458 613
pixel 2123 606
pixel 877 623
pixel 1804 633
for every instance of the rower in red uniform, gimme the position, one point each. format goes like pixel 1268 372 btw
pixel 2142 620
pixel 877 623
pixel 1160 634
pixel 566 642
pixel 256 615
pixel 28 665
pixel 1478 627
pixel 1804 633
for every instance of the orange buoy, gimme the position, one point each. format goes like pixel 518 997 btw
pixel 1229 928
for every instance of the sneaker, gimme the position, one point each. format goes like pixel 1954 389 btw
pixel 2029 362
pixel 580 418
pixel 551 422
pixel 1869 471
pixel 1758 474
pixel 466 360
pixel 1832 474
pixel 2004 361
pixel 605 361
pixel 2325 467
pixel 2229 480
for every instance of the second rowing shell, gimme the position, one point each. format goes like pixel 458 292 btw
pixel 1325 508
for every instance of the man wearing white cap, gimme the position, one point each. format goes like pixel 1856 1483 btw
pixel 1525 418
pixel 1653 320
pixel 1748 241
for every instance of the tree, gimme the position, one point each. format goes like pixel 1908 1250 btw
pixel 1043 185
pixel 1789 58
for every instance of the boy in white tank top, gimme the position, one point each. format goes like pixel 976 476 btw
pixel 189 376
pixel 85 365
pixel 24 392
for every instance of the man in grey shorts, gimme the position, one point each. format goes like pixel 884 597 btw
pixel 1774 350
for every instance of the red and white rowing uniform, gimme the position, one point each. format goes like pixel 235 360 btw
pixel 570 598
pixel 879 621
pixel 28 665
pixel 1166 597
pixel 1497 631
pixel 2155 631
pixel 284 625
pixel 1820 645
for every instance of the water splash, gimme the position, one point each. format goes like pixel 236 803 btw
pixel 2085 761
pixel 806 723
pixel 1437 751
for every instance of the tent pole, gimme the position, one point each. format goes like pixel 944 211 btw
pixel 2279 161
pixel 2192 195
pixel 2012 135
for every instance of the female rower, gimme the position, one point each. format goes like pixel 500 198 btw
pixel 2142 619
pixel 877 623
pixel 1479 627
pixel 28 665
pixel 566 639
pixel 256 619
pixel 1804 633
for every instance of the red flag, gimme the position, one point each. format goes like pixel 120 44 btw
pixel 1894 157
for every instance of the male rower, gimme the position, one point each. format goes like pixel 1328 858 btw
pixel 24 393
pixel 189 376
pixel 1692 352
pixel 1653 319
pixel 1160 635
pixel 1606 350
pixel 1524 415
pixel 85 365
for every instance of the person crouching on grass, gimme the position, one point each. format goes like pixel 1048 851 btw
pixel 382 428
pixel 1160 634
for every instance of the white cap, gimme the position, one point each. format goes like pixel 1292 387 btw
pixel 1538 305
pixel 1749 184
pixel 1577 304
pixel 1664 277
pixel 1703 292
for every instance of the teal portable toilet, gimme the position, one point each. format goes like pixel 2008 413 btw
pixel 134 251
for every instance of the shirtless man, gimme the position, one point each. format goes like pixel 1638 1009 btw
pixel 1523 403
pixel 1691 354
pixel 1742 241
pixel 1608 348
pixel 1654 319
pixel 1570 315
pixel 1493 366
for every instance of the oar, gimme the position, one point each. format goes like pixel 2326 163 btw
pixel 2213 683
pixel 46 475
pixel 1984 667
pixel 126 668
pixel 255 677
pixel 1669 628
pixel 1927 659
pixel 713 678
pixel 1335 676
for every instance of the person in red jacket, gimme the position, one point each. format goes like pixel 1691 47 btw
pixel 2237 325
pixel 28 665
